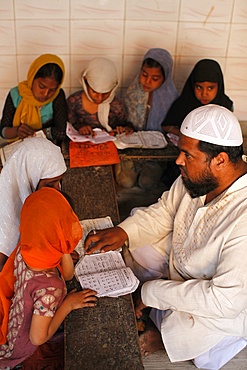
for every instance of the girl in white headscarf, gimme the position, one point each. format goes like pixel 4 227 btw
pixel 34 163
pixel 96 105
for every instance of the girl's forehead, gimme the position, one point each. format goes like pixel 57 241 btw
pixel 152 70
pixel 206 83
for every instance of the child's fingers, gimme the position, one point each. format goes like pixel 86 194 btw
pixel 89 292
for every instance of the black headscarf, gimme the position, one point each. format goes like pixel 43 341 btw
pixel 205 70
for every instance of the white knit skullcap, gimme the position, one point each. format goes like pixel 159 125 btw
pixel 213 124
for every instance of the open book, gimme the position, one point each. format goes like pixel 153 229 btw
pixel 141 139
pixel 107 274
pixel 101 136
pixel 8 149
pixel 104 272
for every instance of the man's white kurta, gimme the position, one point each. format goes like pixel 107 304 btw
pixel 206 249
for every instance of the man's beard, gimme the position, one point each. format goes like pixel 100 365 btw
pixel 202 186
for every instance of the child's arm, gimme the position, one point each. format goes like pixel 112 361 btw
pixel 67 266
pixel 43 327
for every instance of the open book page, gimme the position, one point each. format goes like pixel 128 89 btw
pixel 107 274
pixel 89 225
pixel 8 149
pixel 141 139
pixel 101 136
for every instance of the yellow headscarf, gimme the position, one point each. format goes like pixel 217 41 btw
pixel 28 110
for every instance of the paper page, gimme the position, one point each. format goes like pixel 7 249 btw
pixel 89 225
pixel 101 136
pixel 128 141
pixel 107 274
pixel 8 149
pixel 99 262
pixel 111 283
pixel 141 139
pixel 153 139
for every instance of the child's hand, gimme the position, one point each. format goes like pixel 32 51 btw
pixel 123 129
pixel 24 131
pixel 84 298
pixel 86 130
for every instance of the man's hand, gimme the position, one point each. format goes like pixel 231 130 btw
pixel 105 240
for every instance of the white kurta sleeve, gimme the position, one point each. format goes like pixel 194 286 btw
pixel 223 296
pixel 154 225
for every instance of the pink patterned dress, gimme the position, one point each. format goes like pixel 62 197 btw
pixel 35 292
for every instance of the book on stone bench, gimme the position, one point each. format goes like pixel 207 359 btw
pixel 104 272
pixel 141 139
pixel 100 137
pixel 6 150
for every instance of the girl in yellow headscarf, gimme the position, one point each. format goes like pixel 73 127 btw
pixel 37 103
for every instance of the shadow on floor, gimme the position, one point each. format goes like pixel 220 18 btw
pixel 137 197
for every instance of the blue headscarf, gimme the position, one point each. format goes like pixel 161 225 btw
pixel 162 98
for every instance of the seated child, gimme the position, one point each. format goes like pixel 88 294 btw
pixel 37 103
pixel 147 100
pixel 205 85
pixel 151 94
pixel 35 162
pixel 33 300
pixel 96 105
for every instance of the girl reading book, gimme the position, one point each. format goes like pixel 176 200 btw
pixel 33 300
pixel 148 100
pixel 96 106
pixel 37 103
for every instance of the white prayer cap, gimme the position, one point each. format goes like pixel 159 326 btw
pixel 213 124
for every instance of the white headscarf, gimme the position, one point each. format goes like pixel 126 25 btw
pixel 32 160
pixel 213 124
pixel 101 75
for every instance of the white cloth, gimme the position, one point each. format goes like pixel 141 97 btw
pixel 101 75
pixel 207 292
pixel 218 355
pixel 32 160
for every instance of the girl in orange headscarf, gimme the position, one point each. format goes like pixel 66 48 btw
pixel 38 102
pixel 49 232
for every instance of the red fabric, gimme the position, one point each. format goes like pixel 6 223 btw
pixel 7 280
pixel 48 229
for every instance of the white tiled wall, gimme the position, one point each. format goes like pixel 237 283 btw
pixel 124 30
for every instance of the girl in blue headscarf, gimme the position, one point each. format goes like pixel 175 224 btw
pixel 148 100
pixel 151 94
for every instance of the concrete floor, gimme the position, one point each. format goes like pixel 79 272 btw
pixel 160 361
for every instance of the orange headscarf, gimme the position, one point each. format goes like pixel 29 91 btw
pixel 28 110
pixel 49 228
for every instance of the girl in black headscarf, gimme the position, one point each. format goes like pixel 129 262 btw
pixel 205 85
